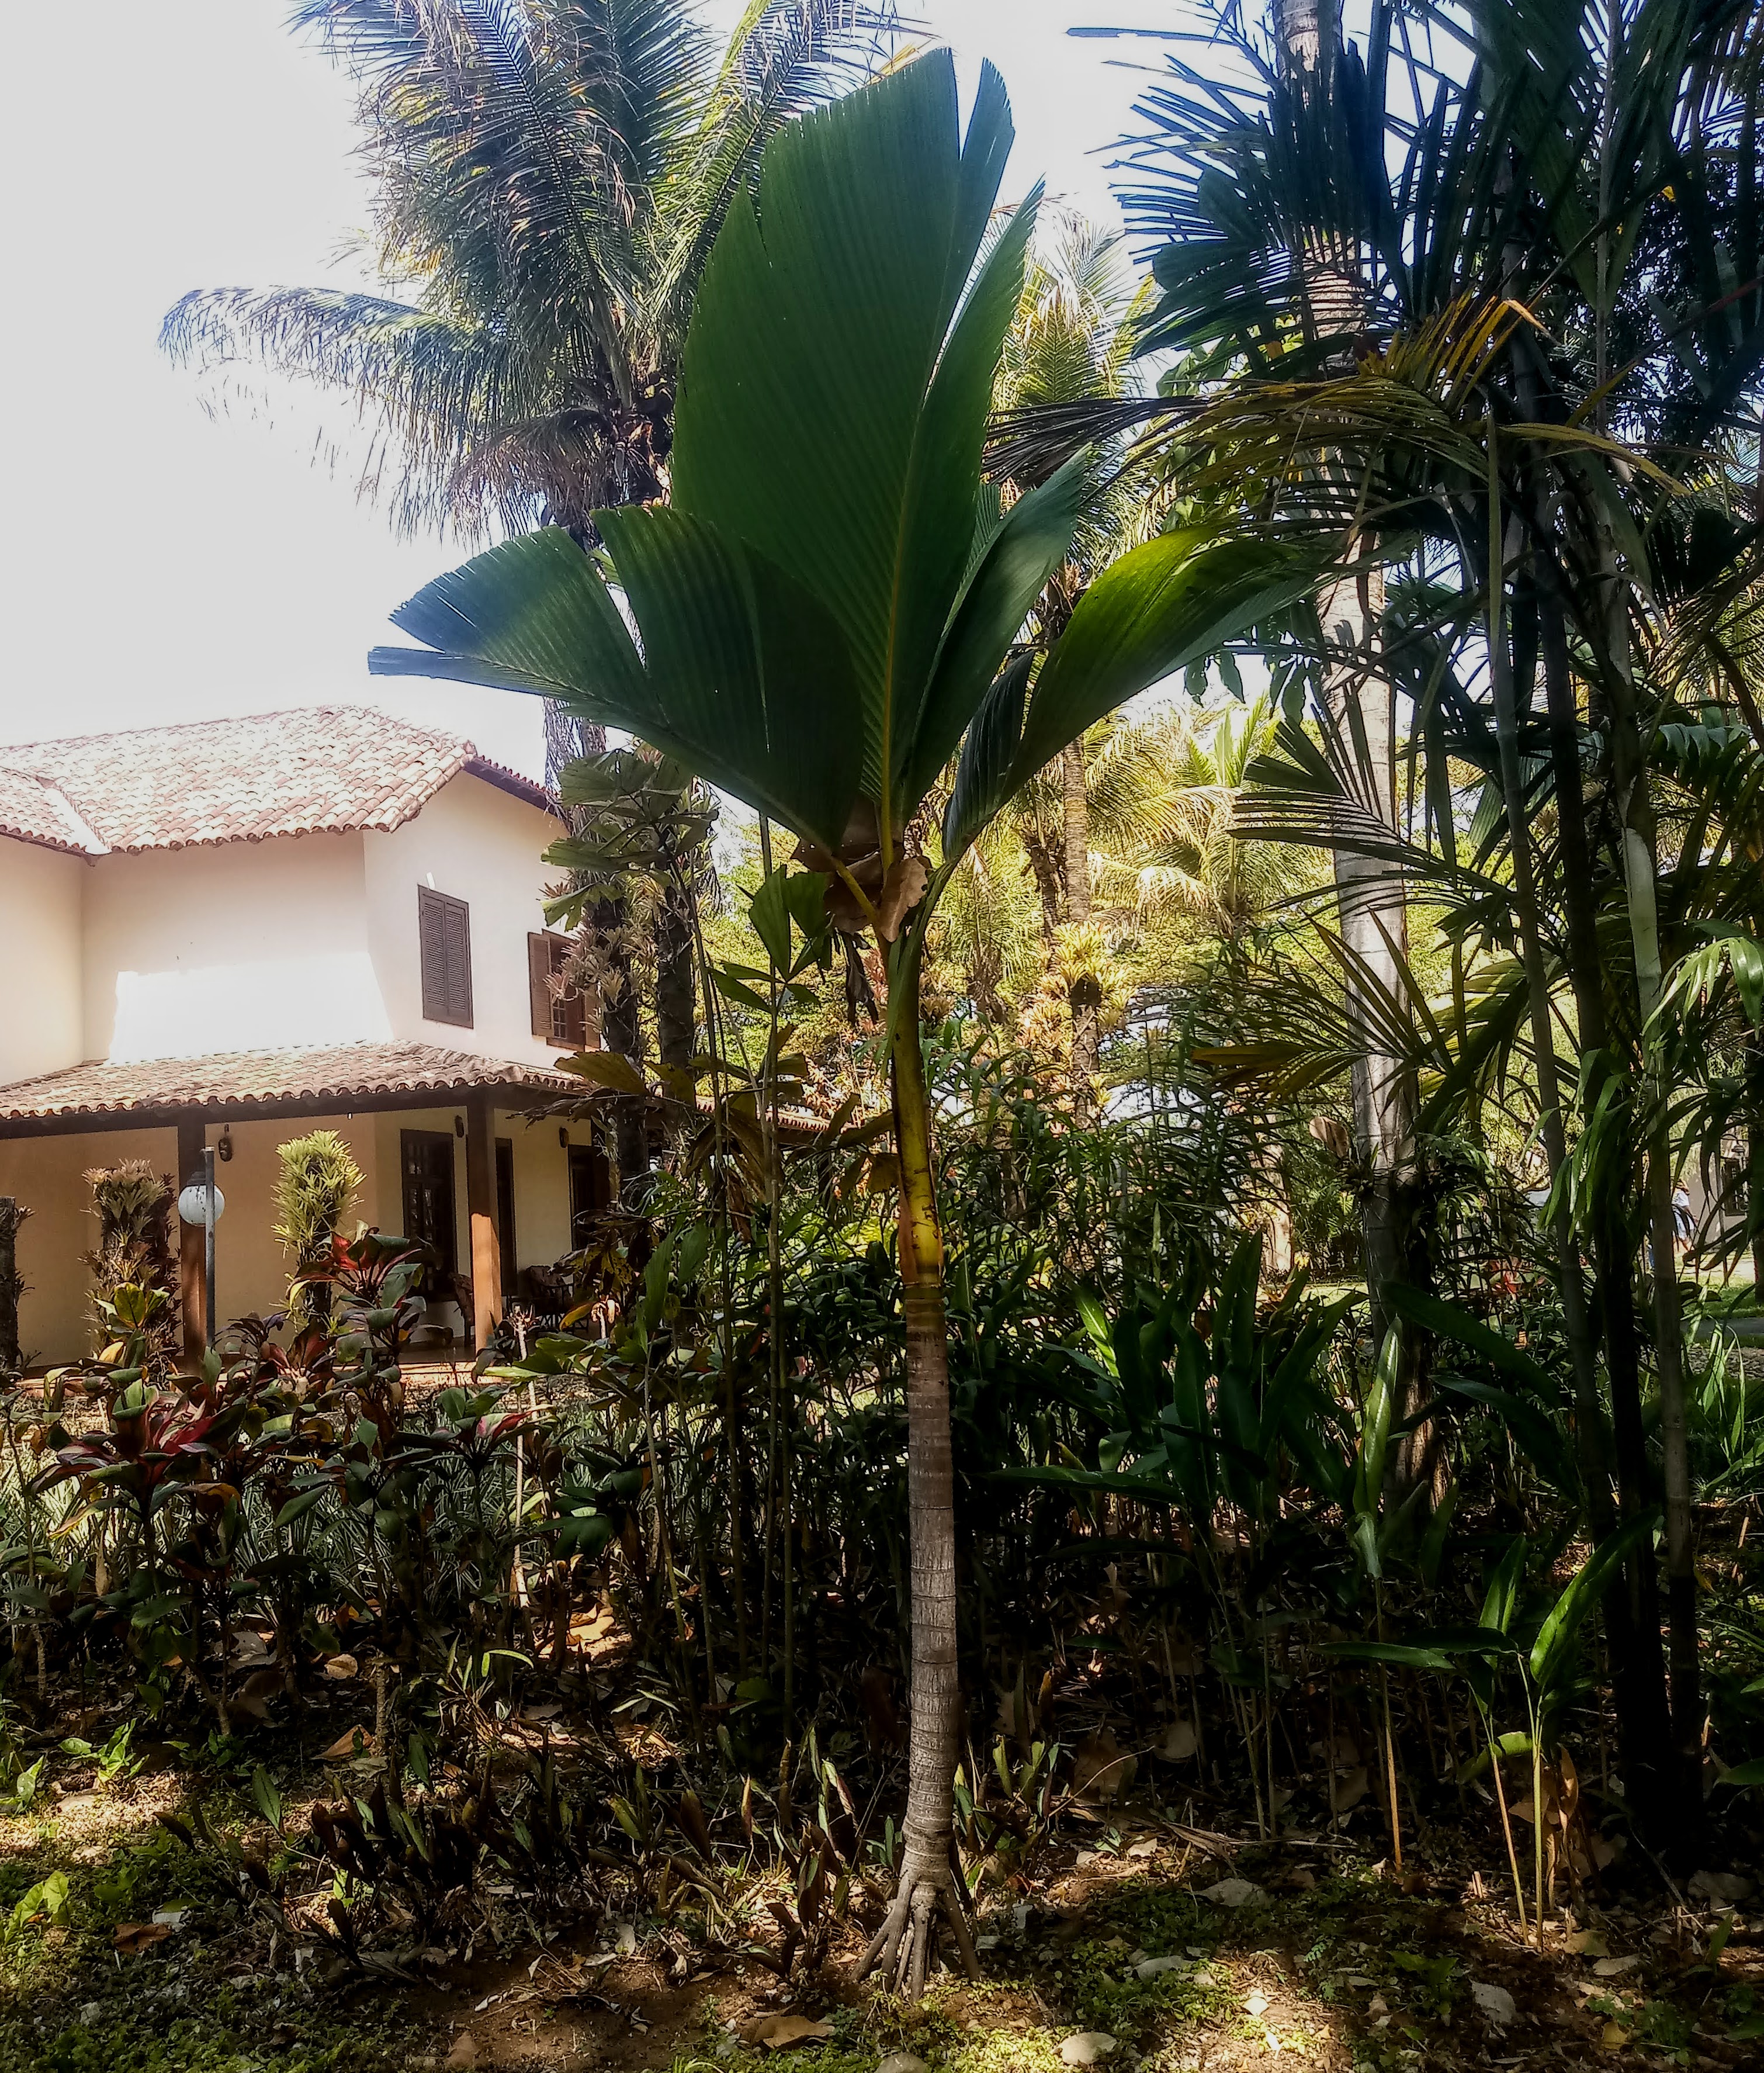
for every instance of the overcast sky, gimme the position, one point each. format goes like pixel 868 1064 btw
pixel 160 564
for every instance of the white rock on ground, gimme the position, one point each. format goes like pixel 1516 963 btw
pixel 1150 1968
pixel 1495 2003
pixel 1087 2048
pixel 1233 1892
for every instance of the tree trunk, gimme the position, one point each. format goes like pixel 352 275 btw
pixel 1373 907
pixel 1631 1605
pixel 1085 992
pixel 927 1886
pixel 622 1030
pixel 1371 897
pixel 676 1028
pixel 1589 1414
pixel 1681 1815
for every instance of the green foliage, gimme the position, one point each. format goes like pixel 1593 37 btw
pixel 315 1186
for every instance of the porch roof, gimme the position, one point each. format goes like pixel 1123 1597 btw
pixel 241 1085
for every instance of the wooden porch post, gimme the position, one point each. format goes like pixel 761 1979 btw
pixel 481 1208
pixel 192 1256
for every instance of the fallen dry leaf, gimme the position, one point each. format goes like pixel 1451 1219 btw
pixel 342 1667
pixel 901 891
pixel 1588 1944
pixel 464 2054
pixel 1613 2036
pixel 131 1937
pixel 357 1743
pixel 1613 1968
pixel 775 2032
pixel 1178 1742
pixel 1348 1789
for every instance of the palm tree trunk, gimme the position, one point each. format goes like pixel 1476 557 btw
pixel 677 1027
pixel 1085 992
pixel 927 1885
pixel 1589 1413
pixel 1371 897
pixel 1631 1605
pixel 622 1030
pixel 1374 910
pixel 1682 1812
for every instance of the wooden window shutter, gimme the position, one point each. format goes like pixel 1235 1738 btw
pixel 539 984
pixel 559 1019
pixel 444 928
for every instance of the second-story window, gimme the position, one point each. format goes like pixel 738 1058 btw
pixel 559 1018
pixel 444 930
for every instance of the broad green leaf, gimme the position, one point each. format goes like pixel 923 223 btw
pixel 1375 1425
pixel 988 757
pixel 828 413
pixel 1556 1634
pixel 1027 548
pixel 1158 608
pixel 1405 1653
pixel 1446 1320
pixel 1502 1600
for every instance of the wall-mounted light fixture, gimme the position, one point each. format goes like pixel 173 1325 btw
pixel 224 1149
pixel 563 1137
pixel 459 1126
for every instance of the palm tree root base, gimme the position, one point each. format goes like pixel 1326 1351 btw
pixel 901 1949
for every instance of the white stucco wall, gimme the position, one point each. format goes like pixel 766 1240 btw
pixel 481 845
pixel 41 895
pixel 244 946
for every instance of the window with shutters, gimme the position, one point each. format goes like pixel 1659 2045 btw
pixel 557 1018
pixel 444 929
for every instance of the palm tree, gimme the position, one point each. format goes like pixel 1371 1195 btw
pixel 1596 166
pixel 1192 863
pixel 823 615
pixel 549 176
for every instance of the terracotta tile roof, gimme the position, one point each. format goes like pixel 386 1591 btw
pixel 241 1080
pixel 317 770
pixel 37 812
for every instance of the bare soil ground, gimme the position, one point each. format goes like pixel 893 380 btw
pixel 1131 1956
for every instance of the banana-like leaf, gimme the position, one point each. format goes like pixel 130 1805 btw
pixel 834 396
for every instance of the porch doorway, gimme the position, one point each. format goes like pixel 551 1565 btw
pixel 431 1215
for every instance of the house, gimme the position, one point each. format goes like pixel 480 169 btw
pixel 228 933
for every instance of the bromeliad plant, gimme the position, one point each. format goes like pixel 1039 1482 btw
pixel 828 610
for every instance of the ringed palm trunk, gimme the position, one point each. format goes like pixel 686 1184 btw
pixel 1371 899
pixel 927 1886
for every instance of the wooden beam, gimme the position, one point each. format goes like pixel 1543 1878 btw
pixel 481 1210
pixel 192 1246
